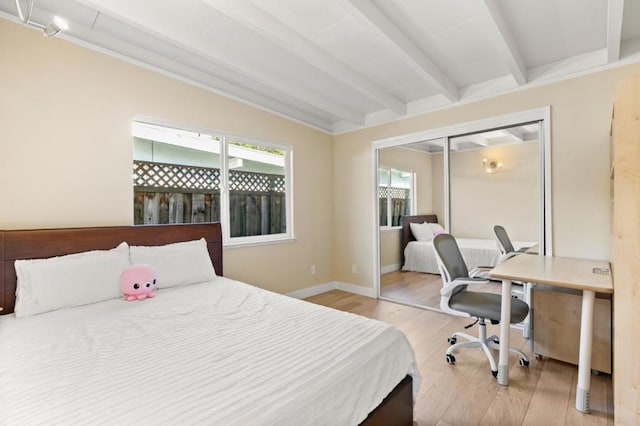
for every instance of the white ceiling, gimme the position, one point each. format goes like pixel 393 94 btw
pixel 342 64
pixel 504 136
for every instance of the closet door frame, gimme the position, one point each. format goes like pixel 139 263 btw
pixel 541 115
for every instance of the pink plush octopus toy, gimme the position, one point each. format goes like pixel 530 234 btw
pixel 138 282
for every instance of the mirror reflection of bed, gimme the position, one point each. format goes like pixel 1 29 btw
pixel 493 179
pixel 419 281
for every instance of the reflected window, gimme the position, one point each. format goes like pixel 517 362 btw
pixel 396 195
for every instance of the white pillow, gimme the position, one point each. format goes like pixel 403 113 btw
pixel 437 228
pixel 76 279
pixel 178 263
pixel 421 231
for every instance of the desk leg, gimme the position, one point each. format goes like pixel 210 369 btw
pixel 584 363
pixel 526 324
pixel 505 322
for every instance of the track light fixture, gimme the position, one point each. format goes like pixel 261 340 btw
pixel 58 24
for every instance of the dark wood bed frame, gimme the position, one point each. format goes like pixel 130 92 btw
pixel 407 236
pixel 395 409
pixel 43 243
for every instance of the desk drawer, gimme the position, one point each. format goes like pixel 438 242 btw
pixel 556 326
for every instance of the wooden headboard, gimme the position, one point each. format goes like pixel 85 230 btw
pixel 407 236
pixel 43 243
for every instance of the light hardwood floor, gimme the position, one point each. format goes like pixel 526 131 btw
pixel 412 287
pixel 467 393
pixel 419 288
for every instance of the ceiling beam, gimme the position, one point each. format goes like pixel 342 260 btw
pixel 615 10
pixel 407 48
pixel 453 145
pixel 514 133
pixel 477 139
pixel 508 46
pixel 269 27
pixel 224 66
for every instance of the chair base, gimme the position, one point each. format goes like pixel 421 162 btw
pixel 483 342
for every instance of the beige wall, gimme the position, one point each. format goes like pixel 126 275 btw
pixel 420 163
pixel 65 156
pixel 66 150
pixel 390 241
pixel 580 122
pixel 510 198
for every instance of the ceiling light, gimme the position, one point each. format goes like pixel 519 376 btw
pixel 491 166
pixel 58 24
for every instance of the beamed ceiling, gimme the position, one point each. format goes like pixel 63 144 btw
pixel 339 65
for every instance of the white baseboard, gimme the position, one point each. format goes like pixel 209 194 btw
pixel 390 268
pixel 332 285
pixel 355 289
pixel 313 290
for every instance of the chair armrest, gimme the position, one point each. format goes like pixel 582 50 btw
pixel 481 272
pixel 509 256
pixel 447 290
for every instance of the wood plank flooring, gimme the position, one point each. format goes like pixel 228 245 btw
pixel 419 288
pixel 467 393
pixel 412 287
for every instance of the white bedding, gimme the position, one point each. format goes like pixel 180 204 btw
pixel 419 255
pixel 221 352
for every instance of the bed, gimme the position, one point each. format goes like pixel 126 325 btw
pixel 216 352
pixel 419 255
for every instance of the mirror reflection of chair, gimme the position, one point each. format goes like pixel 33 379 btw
pixel 507 251
pixel 505 246
pixel 457 299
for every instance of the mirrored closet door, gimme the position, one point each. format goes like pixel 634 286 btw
pixel 463 184
pixel 411 192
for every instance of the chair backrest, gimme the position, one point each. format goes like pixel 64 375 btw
pixel 503 240
pixel 449 258
pixel 451 265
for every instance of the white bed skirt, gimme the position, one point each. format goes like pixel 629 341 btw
pixel 420 257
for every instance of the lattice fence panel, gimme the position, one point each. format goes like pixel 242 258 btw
pixel 158 176
pixel 174 176
pixel 255 182
pixel 396 193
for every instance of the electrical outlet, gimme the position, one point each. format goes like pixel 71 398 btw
pixel 312 270
pixel 354 268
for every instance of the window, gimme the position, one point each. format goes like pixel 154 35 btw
pixel 181 176
pixel 395 193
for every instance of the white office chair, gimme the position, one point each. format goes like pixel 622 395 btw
pixel 507 251
pixel 457 300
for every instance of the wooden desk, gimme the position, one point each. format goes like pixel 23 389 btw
pixel 560 272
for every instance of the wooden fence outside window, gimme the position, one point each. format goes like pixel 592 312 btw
pixel 171 193
pixel 400 205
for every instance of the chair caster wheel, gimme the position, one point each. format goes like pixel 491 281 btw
pixel 494 373
pixel 496 341
pixel 523 362
pixel 451 359
pixel 452 340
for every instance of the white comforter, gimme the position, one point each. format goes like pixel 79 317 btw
pixel 218 353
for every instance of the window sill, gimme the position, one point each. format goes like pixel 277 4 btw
pixel 390 228
pixel 255 243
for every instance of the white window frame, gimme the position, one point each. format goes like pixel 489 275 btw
pixel 225 217
pixel 412 195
